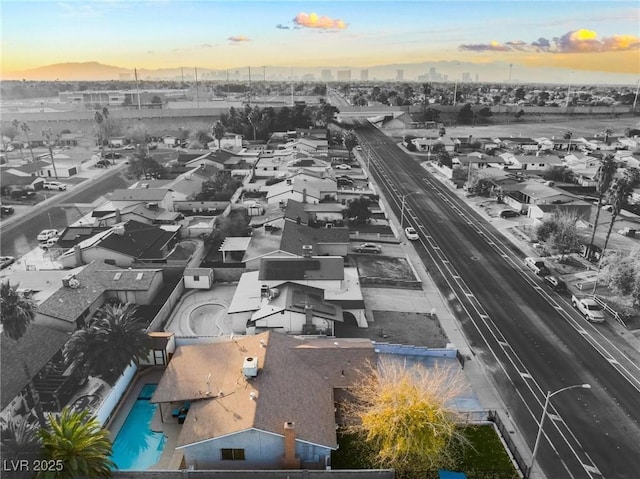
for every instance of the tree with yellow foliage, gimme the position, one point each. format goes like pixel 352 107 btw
pixel 405 415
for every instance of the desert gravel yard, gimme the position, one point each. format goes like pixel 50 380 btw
pixel 386 267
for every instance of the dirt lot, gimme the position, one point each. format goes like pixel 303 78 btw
pixel 579 127
pixel 375 266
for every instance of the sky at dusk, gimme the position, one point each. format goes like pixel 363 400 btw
pixel 579 35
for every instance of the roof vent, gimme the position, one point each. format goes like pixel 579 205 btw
pixel 250 367
pixel 118 230
pixel 152 206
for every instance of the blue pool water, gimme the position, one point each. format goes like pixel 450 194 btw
pixel 136 446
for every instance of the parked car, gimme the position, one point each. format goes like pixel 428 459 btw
pixel 54 185
pixel 589 308
pixel 342 166
pixel 627 232
pixel 112 155
pixel 102 164
pixel 6 261
pixel 411 233
pixel 344 182
pixel 358 148
pixel 44 235
pixel 49 243
pixel 555 283
pixel 129 147
pixel 367 248
pixel 537 266
pixel 509 214
pixel 6 210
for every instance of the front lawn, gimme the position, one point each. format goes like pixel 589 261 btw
pixel 484 455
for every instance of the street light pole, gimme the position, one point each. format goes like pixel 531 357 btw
pixel 544 414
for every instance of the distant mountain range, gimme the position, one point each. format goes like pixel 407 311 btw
pixel 449 70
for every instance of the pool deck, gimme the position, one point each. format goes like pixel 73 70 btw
pixel 182 323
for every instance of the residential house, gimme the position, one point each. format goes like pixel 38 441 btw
pixel 124 245
pixel 230 141
pixel 278 413
pixel 542 212
pixel 521 196
pixel 427 144
pixel 173 138
pixel 527 145
pixel 161 197
pixel 323 241
pixel 303 188
pixel 73 235
pixel 81 294
pixel 307 144
pixel 325 212
pixel 146 213
pixel 532 162
pixel 37 347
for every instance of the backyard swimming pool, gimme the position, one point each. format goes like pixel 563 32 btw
pixel 136 446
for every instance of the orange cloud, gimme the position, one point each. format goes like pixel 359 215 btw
pixel 238 39
pixel 575 41
pixel 313 20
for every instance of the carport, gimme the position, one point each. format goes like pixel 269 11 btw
pixel 235 246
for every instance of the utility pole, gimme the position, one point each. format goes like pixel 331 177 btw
pixel 264 84
pixel 635 100
pixel 135 71
pixel 197 96
pixel 249 98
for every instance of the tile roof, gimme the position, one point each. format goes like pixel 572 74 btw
pixel 68 304
pixel 295 382
pixel 294 210
pixel 139 240
pixel 294 236
pixel 139 194
pixel 73 235
pixel 9 179
pixel 315 268
pixel 38 345
pixel 32 167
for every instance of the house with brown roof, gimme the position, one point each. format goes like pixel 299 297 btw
pixel 304 188
pixel 123 245
pixel 260 402
pixel 81 294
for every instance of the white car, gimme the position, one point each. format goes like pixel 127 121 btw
pixel 47 234
pixel 54 185
pixel 589 308
pixel 358 148
pixel 411 233
pixel 128 147
pixel 342 166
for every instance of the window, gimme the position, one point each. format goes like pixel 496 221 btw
pixel 111 262
pixel 196 278
pixel 232 454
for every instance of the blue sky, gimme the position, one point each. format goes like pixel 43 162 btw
pixel 598 36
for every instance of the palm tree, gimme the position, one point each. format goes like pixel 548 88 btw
pixel 19 439
pixel 604 177
pixel 618 196
pixel 26 129
pixel 218 131
pixel 107 345
pixel 349 141
pixel 78 444
pixel 46 132
pixel 18 312
pixel 568 136
pixel 16 125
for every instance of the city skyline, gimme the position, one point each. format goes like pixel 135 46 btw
pixel 594 39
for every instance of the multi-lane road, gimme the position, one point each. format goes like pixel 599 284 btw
pixel 529 338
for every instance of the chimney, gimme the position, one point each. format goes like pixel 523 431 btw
pixel 307 250
pixel 77 251
pixel 304 195
pixel 118 216
pixel 289 459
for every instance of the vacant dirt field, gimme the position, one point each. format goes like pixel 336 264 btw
pixel 579 127
pixel 375 266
